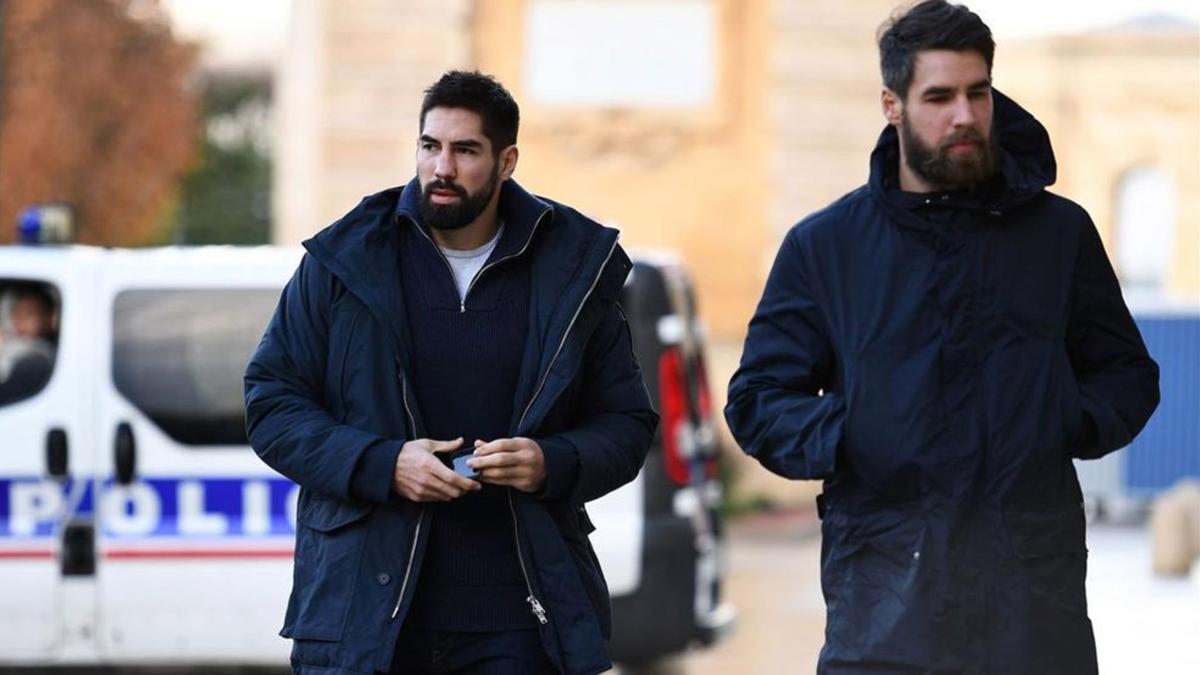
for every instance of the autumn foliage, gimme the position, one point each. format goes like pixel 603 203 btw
pixel 96 110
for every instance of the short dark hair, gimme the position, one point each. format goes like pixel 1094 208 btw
pixel 932 24
pixel 481 94
pixel 35 292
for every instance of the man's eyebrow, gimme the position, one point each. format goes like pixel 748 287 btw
pixel 937 91
pixel 466 144
pixel 982 84
pixel 425 138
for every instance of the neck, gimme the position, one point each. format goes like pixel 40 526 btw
pixel 479 232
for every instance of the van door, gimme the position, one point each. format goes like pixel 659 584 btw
pixel 45 445
pixel 196 533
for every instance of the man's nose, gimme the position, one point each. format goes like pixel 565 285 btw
pixel 964 114
pixel 444 166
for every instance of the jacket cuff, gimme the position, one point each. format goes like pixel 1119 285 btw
pixel 371 480
pixel 561 458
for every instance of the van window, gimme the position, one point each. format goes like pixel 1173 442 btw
pixel 29 315
pixel 179 355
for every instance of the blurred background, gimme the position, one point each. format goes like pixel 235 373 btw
pixel 703 127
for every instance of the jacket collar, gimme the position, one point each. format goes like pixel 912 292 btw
pixel 520 211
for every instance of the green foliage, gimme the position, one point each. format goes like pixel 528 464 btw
pixel 225 199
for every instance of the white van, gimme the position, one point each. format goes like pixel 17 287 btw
pixel 136 525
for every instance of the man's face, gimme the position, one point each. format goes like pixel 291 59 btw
pixel 945 122
pixel 30 319
pixel 457 168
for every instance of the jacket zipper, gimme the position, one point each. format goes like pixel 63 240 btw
pixel 562 342
pixel 412 551
pixel 462 303
pixel 535 605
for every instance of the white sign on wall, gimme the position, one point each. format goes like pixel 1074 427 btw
pixel 614 53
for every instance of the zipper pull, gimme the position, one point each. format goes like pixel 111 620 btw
pixel 538 610
pixel 462 307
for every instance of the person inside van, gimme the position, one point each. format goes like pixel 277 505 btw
pixel 27 347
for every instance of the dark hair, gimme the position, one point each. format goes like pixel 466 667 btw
pixel 35 292
pixel 481 94
pixel 932 24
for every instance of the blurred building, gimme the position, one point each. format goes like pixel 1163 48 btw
pixel 710 126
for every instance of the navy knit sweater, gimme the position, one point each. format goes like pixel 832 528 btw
pixel 464 368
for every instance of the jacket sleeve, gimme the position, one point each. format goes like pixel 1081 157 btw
pixel 780 409
pixel 1117 379
pixel 287 422
pixel 605 449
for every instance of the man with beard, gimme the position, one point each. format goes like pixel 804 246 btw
pixel 449 378
pixel 937 347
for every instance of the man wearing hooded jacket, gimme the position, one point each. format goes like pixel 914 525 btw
pixel 937 347
pixel 457 316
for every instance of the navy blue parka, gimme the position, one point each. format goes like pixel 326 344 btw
pixel 328 406
pixel 938 361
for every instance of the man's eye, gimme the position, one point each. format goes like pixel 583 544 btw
pixel 467 151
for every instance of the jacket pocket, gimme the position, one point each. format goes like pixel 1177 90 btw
pixel 330 536
pixel 871 577
pixel 574 525
pixel 1051 558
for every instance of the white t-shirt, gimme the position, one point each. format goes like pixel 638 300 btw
pixel 466 264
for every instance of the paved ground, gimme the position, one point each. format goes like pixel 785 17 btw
pixel 1143 624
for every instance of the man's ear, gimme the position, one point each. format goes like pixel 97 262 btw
pixel 508 162
pixel 893 107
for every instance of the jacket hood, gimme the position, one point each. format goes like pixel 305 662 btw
pixel 1025 158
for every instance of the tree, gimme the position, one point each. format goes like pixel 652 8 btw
pixel 97 110
pixel 225 199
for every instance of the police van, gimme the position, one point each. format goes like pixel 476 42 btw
pixel 137 526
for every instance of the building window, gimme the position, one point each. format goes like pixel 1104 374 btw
pixel 179 356
pixel 656 54
pixel 1145 231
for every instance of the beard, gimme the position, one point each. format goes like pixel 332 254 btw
pixel 944 171
pixel 468 208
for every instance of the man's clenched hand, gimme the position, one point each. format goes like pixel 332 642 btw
pixel 515 462
pixel 421 477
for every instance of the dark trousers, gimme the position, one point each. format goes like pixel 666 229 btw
pixel 430 652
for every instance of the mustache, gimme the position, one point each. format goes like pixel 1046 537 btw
pixel 964 136
pixel 445 185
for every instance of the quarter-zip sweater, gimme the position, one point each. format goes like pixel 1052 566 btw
pixel 466 359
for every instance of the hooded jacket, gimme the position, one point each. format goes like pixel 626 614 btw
pixel 328 406
pixel 938 361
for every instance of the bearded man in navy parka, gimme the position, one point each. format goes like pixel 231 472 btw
pixel 458 315
pixel 938 346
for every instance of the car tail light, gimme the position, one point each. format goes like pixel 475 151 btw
pixel 673 401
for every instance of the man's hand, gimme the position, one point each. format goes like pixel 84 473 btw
pixel 421 477
pixel 515 462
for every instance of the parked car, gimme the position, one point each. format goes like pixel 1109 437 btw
pixel 137 527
